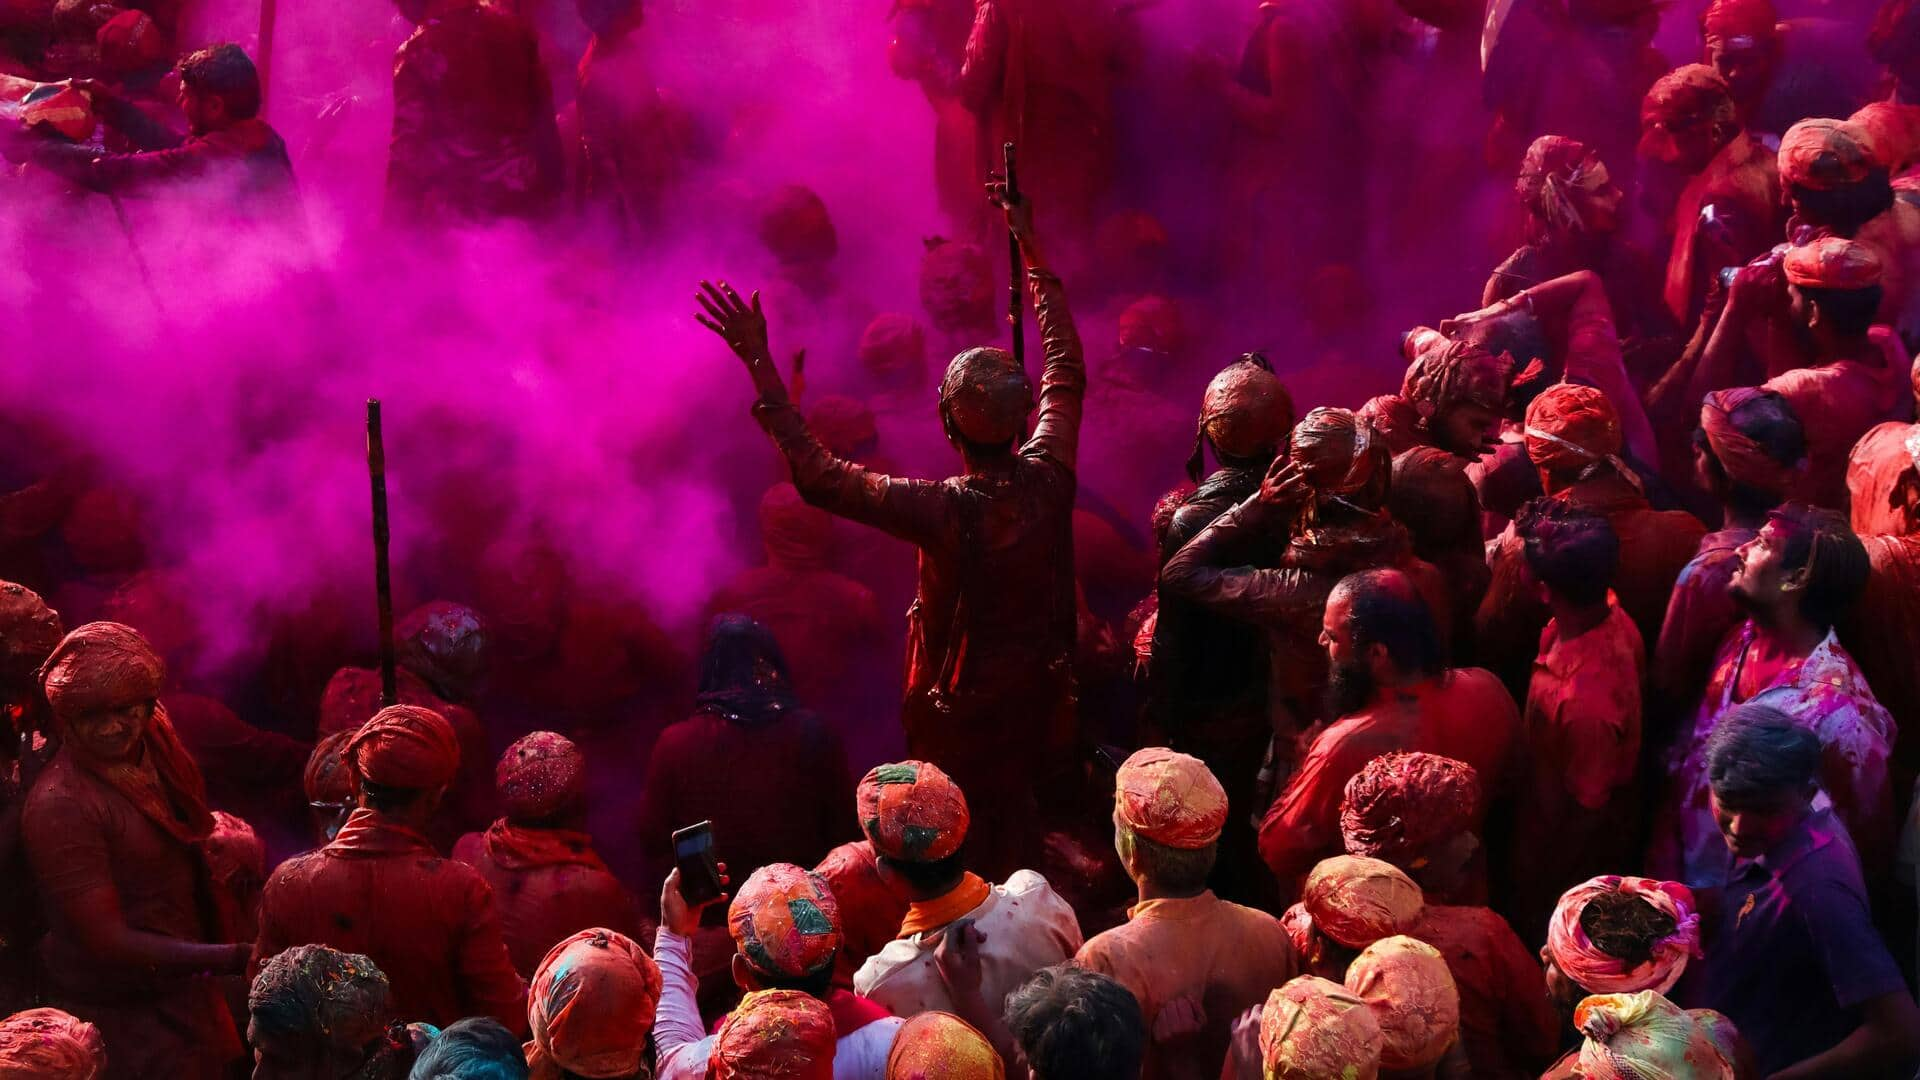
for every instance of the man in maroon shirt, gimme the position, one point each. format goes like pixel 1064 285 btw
pixel 380 889
pixel 990 686
pixel 113 830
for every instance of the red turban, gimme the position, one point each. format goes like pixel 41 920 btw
pixel 1745 461
pixel 540 775
pixel 775 1035
pixel 1633 1036
pixel 327 780
pixel 352 697
pixel 1153 323
pixel 591 1004
pixel 1446 373
pixel 47 1044
pixel 1246 413
pixel 1557 178
pixel 1894 130
pixel 940 1046
pixel 1170 798
pixel 1739 18
pixel 912 811
pixel 64 109
pixel 444 643
pixel 795 227
pixel 843 425
pixel 795 534
pixel 1357 901
pixel 1316 1029
pixel 1339 452
pixel 342 999
pixel 1823 154
pixel 1689 94
pixel 870 913
pixel 29 630
pixel 1400 805
pixel 234 851
pixel 893 348
pixel 130 41
pixel 1413 997
pixel 785 921
pixel 102 665
pixel 1832 263
pixel 1569 427
pixel 1598 972
pixel 405 746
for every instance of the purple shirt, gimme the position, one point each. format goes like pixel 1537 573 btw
pixel 1795 954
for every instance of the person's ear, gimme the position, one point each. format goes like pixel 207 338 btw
pixel 743 975
pixel 1378 656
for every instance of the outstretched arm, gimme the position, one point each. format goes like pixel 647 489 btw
pixel 1206 570
pixel 1063 381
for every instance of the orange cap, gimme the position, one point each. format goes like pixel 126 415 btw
pixel 1170 798
pixel 785 921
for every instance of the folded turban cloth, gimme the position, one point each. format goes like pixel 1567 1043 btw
pixel 785 921
pixel 341 998
pixel 1400 805
pixel 29 630
pixel 1556 177
pixel 1357 901
pixel 234 851
pixel 912 811
pixel 1688 95
pixel 1315 1029
pixel 1170 798
pixel 591 1004
pixel 1447 373
pixel 1644 1036
pixel 894 346
pixel 1823 154
pixel 1746 462
pixel 1338 451
pixel 1413 997
pixel 1832 263
pixel 1598 972
pixel 775 1035
pixel 1739 18
pixel 405 746
pixel 327 779
pixel 1893 129
pixel 47 1044
pixel 1246 412
pixel 940 1046
pixel 101 665
pixel 1570 426
pixel 540 775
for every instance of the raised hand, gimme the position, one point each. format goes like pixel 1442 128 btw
pixel 1285 485
pixel 743 326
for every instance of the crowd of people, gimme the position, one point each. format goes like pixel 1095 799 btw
pixel 1540 718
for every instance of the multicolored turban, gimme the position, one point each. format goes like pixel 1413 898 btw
pixel 1643 1036
pixel 405 746
pixel 591 1004
pixel 912 811
pixel 1170 798
pixel 775 1035
pixel 941 1046
pixel 540 775
pixel 1597 972
pixel 1745 461
pixel 47 1044
pixel 1357 901
pixel 1413 997
pixel 1400 805
pixel 1316 1029
pixel 785 921
pixel 341 998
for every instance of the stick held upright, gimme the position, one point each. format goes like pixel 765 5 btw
pixel 382 578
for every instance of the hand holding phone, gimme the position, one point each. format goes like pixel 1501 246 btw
pixel 697 881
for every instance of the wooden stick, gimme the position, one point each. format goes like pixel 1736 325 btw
pixel 1016 271
pixel 382 579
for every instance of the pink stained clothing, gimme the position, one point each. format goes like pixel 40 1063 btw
pixel 1699 615
pixel 1578 805
pixel 1874 468
pixel 1882 634
pixel 1742 184
pixel 1220 954
pixel 1837 403
pixel 1465 714
pixel 547 890
pixel 1826 693
pixel 1507 1024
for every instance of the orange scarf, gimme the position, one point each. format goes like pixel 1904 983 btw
pixel 927 915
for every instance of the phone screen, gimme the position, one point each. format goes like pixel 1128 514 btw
pixel 699 870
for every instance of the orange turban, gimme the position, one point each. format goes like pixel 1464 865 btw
pixel 1413 997
pixel 785 921
pixel 1570 426
pixel 101 665
pixel 1599 972
pixel 1894 130
pixel 327 780
pixel 1315 1029
pixel 1745 461
pixel 1446 373
pixel 1832 263
pixel 1246 412
pixel 1170 798
pixel 912 811
pixel 540 775
pixel 591 1004
pixel 870 913
pixel 1688 95
pixel 1631 1036
pixel 29 630
pixel 1739 18
pixel 940 1046
pixel 47 1044
pixel 405 746
pixel 1400 805
pixel 775 1035
pixel 1357 901
pixel 1823 154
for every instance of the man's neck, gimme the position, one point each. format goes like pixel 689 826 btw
pixel 1860 349
pixel 1150 891
pixel 1576 619
pixel 1786 636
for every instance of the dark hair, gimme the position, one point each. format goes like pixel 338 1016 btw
pixel 1821 540
pixel 1573 552
pixel 1849 311
pixel 1387 611
pixel 224 72
pixel 1623 925
pixel 927 877
pixel 477 1048
pixel 1173 869
pixel 1845 208
pixel 819 984
pixel 388 799
pixel 1075 1024
pixel 1757 752
pixel 1769 420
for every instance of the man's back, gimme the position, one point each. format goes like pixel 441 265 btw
pixel 548 885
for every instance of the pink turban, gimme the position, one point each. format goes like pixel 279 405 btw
pixel 540 775
pixel 47 1044
pixel 1413 997
pixel 591 1004
pixel 1599 972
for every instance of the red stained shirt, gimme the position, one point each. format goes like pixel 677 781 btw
pixel 1507 1025
pixel 548 885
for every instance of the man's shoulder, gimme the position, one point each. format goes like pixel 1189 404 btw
pixel 1477 685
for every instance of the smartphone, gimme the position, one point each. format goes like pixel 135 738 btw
pixel 699 870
